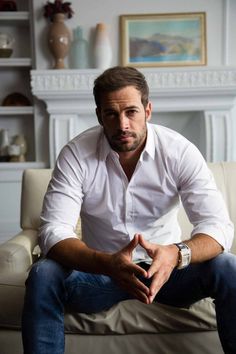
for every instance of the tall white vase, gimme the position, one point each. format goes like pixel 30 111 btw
pixel 102 48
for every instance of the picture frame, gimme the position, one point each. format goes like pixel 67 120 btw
pixel 157 40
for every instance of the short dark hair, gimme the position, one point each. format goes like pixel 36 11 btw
pixel 117 78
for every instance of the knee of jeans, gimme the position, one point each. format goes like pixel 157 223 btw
pixel 223 268
pixel 46 271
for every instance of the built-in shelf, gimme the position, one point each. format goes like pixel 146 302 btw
pixel 14 16
pixel 15 62
pixel 16 110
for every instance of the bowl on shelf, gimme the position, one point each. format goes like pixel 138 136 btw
pixel 16 99
pixel 8 5
pixel 6 45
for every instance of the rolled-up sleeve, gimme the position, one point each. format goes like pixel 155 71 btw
pixel 203 202
pixel 62 202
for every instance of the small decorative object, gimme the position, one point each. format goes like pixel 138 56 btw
pixel 8 5
pixel 59 36
pixel 14 152
pixel 16 99
pixel 4 143
pixel 21 142
pixel 79 56
pixel 6 45
pixel 102 48
pixel 58 6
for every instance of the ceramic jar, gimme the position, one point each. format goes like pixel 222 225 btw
pixel 14 152
pixel 21 142
pixel 6 45
pixel 59 39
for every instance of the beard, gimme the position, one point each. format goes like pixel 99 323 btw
pixel 119 143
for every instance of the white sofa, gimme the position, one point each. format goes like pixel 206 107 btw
pixel 129 327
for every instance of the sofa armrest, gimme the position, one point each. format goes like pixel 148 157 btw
pixel 16 254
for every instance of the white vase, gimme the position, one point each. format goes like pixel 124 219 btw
pixel 102 48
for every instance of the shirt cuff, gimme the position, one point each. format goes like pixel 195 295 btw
pixel 51 235
pixel 223 235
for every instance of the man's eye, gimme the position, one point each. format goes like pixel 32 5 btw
pixel 110 115
pixel 131 112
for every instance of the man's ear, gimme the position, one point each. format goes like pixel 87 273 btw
pixel 148 111
pixel 99 116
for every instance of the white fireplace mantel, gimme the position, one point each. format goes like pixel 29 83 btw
pixel 210 91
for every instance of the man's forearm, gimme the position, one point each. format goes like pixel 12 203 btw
pixel 74 254
pixel 203 247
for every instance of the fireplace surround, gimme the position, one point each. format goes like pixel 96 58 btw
pixel 203 95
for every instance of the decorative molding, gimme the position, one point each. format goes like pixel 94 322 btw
pixel 66 81
pixel 81 81
pixel 62 128
pixel 218 130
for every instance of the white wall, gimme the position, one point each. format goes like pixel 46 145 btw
pixel 221 24
pixel 220 30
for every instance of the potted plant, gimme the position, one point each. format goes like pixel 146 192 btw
pixel 56 7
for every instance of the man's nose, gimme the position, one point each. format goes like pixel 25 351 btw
pixel 123 121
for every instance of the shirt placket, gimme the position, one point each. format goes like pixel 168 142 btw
pixel 128 187
pixel 129 214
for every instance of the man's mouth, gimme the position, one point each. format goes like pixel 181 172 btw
pixel 123 136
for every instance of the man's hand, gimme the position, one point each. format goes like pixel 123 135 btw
pixel 164 260
pixel 125 272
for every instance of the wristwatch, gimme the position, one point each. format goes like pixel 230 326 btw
pixel 184 255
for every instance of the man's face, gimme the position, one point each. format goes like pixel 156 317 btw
pixel 123 118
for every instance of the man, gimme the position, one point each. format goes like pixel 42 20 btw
pixel 125 178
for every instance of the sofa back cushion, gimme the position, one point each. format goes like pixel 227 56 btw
pixel 34 187
pixel 225 177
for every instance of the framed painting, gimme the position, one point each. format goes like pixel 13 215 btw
pixel 163 39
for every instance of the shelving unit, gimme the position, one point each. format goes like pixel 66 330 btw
pixel 15 72
pixel 15 78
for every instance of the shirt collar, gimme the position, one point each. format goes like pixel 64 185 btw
pixel 149 148
pixel 150 143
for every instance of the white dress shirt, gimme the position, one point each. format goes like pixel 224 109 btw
pixel 89 181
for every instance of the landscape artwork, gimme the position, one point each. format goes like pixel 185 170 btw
pixel 163 40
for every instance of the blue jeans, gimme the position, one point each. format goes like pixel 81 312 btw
pixel 50 289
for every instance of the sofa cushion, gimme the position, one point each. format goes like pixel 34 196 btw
pixel 12 289
pixel 34 186
pixel 132 316
pixel 128 316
